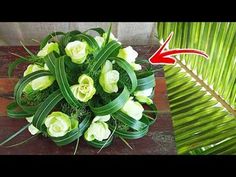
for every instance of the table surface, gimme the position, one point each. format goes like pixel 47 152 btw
pixel 159 140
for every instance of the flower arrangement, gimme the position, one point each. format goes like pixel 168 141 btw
pixel 83 86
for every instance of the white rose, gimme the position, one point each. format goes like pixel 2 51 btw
pixel 130 55
pixel 143 96
pixel 48 48
pixel 58 124
pixel 109 78
pixel 77 51
pixel 40 83
pixel 85 90
pixel 32 129
pixel 146 92
pixel 100 40
pixel 133 109
pixel 98 129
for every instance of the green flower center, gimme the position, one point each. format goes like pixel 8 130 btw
pixel 77 49
pixel 84 88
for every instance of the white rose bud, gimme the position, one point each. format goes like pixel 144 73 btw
pixel 100 40
pixel 32 129
pixel 98 129
pixel 48 48
pixel 109 78
pixel 77 51
pixel 143 96
pixel 130 55
pixel 58 124
pixel 133 109
pixel 40 83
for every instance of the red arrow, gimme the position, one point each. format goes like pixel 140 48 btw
pixel 163 57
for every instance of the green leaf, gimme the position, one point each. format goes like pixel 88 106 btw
pixel 14 64
pixel 150 114
pixel 100 144
pixel 62 81
pixel 218 40
pixel 74 32
pixel 201 127
pixel 28 51
pixel 100 31
pixel 129 70
pixel 50 61
pixel 87 38
pixel 130 134
pixel 14 134
pixel 203 108
pixel 12 113
pixel 127 120
pixel 48 37
pixel 146 82
pixel 45 108
pixel 108 51
pixel 113 106
pixel 108 34
pixel 22 83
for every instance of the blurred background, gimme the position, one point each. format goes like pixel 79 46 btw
pixel 132 33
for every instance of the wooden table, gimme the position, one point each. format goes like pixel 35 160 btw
pixel 159 140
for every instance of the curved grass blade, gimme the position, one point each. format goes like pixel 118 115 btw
pixel 22 83
pixel 100 31
pixel 108 34
pixel 131 122
pixel 109 50
pixel 15 134
pixel 62 81
pixel 114 105
pixel 126 67
pixel 87 38
pixel 48 37
pixel 14 64
pixel 146 82
pixel 74 134
pixel 45 108
pixel 12 113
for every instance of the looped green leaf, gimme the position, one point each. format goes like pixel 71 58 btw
pixel 13 65
pixel 129 134
pixel 100 144
pixel 22 83
pixel 62 81
pixel 48 37
pixel 127 120
pixel 100 31
pixel 146 82
pixel 87 38
pixel 126 67
pixel 109 50
pixel 50 61
pixel 74 134
pixel 45 108
pixel 114 105
pixel 154 114
pixel 74 32
pixel 12 113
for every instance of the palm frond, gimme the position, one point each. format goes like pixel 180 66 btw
pixel 218 40
pixel 202 125
pixel 202 93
